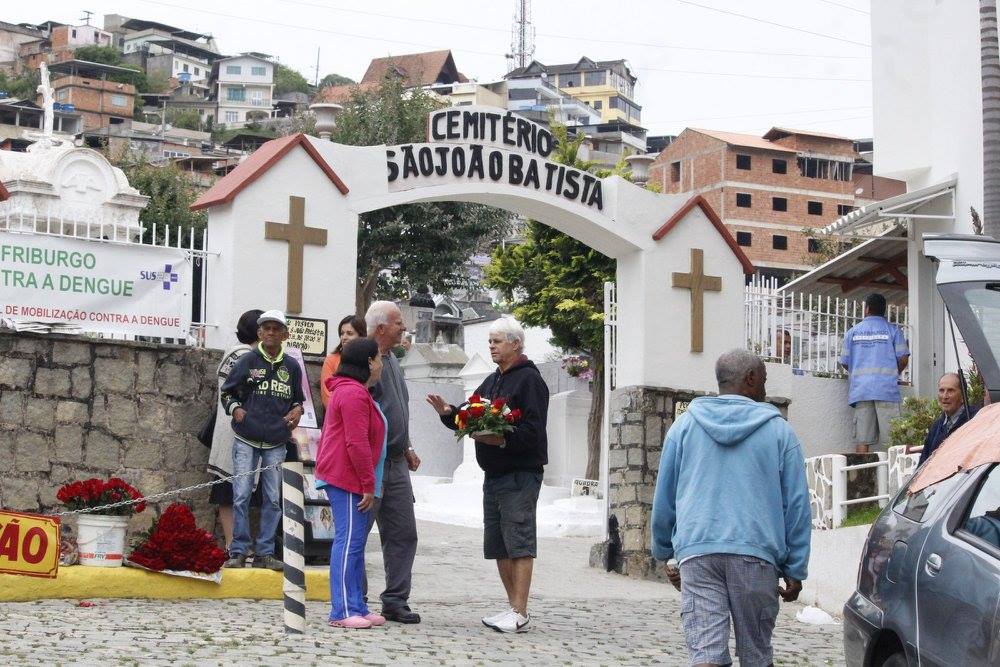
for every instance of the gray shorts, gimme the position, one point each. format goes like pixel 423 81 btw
pixel 872 422
pixel 717 587
pixel 509 504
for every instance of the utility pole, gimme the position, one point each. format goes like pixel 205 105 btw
pixel 86 17
pixel 522 42
pixel 316 81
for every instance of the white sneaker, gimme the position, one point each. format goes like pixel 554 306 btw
pixel 489 621
pixel 511 621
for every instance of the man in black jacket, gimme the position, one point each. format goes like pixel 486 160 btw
pixel 263 394
pixel 513 465
pixel 953 414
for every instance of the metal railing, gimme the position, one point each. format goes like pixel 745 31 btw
pixel 805 331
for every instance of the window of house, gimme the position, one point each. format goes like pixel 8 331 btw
pixel 779 204
pixel 779 242
pixel 236 94
pixel 675 172
pixel 743 199
pixel 118 101
pixel 744 239
pixel 184 68
pixel 74 33
pixel 568 81
pixel 257 98
pixel 196 72
pixel 615 103
pixel 814 208
pixel 233 69
pixel 742 161
pixel 844 209
pixel 232 116
pixel 62 95
pixel 814 245
pixel 779 166
pixel 598 104
pixel 595 78
pixel 258 70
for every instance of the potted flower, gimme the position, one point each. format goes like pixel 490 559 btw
pixel 578 366
pixel 101 533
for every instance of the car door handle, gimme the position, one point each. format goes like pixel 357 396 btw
pixel 933 564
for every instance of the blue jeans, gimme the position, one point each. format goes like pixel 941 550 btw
pixel 347 554
pixel 245 459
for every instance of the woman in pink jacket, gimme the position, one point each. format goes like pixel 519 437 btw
pixel 347 469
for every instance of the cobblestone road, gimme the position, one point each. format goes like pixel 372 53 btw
pixel 579 616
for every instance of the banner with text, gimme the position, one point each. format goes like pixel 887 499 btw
pixel 109 288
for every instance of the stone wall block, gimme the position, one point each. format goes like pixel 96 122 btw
pixel 32 345
pixel 618 458
pixel 114 375
pixel 146 373
pixel 102 451
pixel 174 380
pixel 15 373
pixel 144 452
pixel 636 457
pixel 7 463
pixel 32 452
pixel 117 414
pixel 41 414
pixel 68 444
pixel 72 412
pixel 19 494
pixel 175 453
pixel 52 382
pixel 71 353
pixel 12 408
pixel 653 460
pixel 632 434
pixel 83 384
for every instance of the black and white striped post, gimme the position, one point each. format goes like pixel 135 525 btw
pixel 294 587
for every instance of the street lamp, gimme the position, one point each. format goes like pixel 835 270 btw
pixel 326 117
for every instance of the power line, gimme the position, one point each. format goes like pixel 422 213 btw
pixel 772 23
pixel 754 76
pixel 821 122
pixel 575 38
pixel 837 4
pixel 757 115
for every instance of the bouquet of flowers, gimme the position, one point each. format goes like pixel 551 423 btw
pixel 481 416
pixel 91 493
pixel 174 544
pixel 578 366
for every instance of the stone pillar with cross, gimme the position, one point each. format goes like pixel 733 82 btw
pixel 286 238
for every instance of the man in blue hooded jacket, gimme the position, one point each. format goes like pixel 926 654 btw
pixel 732 506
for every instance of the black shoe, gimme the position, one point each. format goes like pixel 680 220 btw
pixel 268 562
pixel 236 560
pixel 401 615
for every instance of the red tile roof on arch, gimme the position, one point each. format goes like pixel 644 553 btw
pixel 262 159
pixel 706 208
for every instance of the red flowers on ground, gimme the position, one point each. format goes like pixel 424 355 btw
pixel 91 493
pixel 175 542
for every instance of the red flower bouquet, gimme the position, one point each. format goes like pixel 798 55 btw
pixel 91 493
pixel 174 542
pixel 480 416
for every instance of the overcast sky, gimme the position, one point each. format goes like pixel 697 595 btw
pixel 722 64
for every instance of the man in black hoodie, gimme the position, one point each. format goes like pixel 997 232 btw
pixel 513 465
pixel 263 394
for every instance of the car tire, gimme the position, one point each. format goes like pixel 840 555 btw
pixel 895 660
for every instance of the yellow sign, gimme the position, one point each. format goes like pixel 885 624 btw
pixel 307 334
pixel 29 544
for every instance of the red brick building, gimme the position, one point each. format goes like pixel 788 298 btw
pixel 766 189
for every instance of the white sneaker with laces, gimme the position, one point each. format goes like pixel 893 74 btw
pixel 511 621
pixel 490 620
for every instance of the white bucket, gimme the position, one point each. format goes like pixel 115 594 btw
pixel 101 539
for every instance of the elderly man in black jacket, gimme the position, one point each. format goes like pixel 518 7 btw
pixel 513 466
pixel 954 413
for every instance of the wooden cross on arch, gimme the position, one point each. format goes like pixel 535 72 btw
pixel 698 283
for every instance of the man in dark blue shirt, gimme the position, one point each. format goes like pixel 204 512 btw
pixel 954 413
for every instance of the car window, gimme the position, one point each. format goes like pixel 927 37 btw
pixel 922 503
pixel 983 516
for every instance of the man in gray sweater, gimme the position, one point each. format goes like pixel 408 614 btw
pixel 397 524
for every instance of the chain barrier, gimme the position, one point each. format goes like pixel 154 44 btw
pixel 166 494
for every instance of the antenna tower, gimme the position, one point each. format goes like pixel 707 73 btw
pixel 522 42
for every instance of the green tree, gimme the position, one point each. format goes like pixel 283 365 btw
pixel 22 87
pixel 555 281
pixel 333 80
pixel 106 55
pixel 170 193
pixel 187 119
pixel 403 247
pixel 287 80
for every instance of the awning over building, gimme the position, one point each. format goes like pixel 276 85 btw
pixel 894 210
pixel 878 265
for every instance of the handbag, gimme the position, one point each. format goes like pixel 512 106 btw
pixel 205 435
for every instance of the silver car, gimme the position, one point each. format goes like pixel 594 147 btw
pixel 928 588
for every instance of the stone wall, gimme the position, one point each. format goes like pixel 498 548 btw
pixel 73 408
pixel 640 418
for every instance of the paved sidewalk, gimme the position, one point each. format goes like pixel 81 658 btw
pixel 579 616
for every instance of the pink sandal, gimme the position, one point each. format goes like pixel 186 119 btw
pixel 375 619
pixel 353 622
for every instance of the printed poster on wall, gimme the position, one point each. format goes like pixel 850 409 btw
pixel 101 287
pixel 308 409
